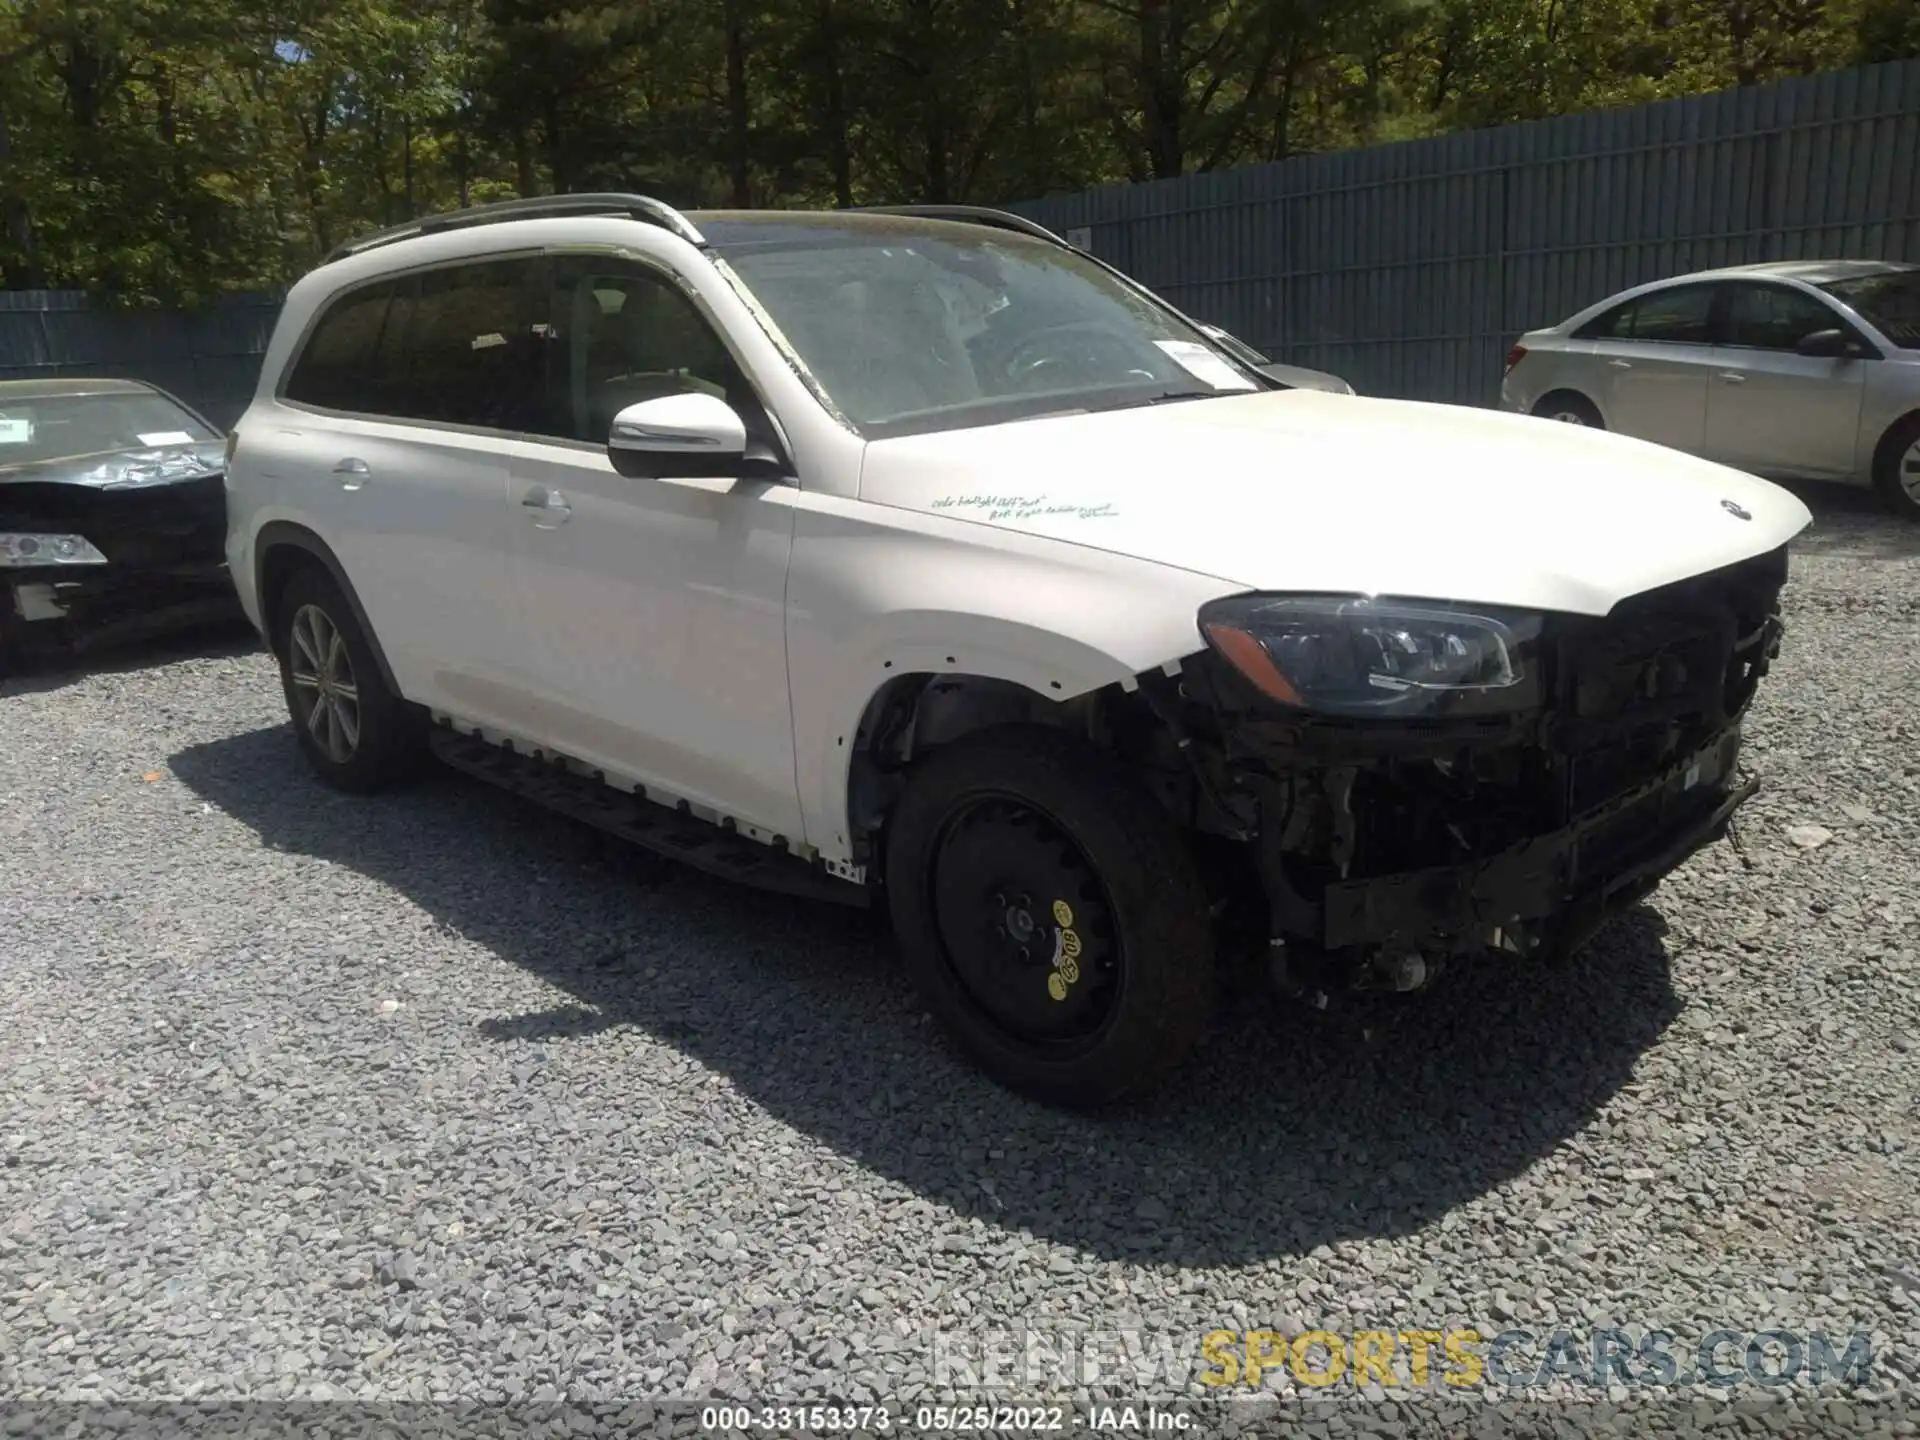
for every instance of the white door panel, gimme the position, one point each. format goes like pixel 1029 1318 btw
pixel 415 517
pixel 656 618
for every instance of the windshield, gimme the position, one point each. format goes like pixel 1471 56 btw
pixel 56 427
pixel 1890 302
pixel 934 326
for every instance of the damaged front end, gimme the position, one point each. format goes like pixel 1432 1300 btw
pixel 1404 783
pixel 106 549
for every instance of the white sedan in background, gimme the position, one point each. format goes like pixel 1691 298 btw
pixel 1791 370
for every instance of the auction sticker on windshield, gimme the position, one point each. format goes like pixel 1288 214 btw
pixel 1201 363
pixel 16 432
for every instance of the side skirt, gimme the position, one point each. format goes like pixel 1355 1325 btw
pixel 660 828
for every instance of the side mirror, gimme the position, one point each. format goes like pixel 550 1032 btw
pixel 1833 344
pixel 694 434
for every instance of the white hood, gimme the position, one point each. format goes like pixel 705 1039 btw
pixel 1305 491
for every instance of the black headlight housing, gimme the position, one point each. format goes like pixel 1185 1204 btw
pixel 1370 657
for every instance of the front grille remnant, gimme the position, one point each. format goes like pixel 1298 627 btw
pixel 1660 675
pixel 1442 836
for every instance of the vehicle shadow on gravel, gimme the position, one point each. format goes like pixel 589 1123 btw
pixel 215 640
pixel 1294 1128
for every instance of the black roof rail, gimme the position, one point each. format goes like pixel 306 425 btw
pixel 532 207
pixel 971 214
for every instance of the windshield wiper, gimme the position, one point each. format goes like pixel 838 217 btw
pixel 1164 397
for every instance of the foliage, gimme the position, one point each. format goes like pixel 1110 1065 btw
pixel 165 150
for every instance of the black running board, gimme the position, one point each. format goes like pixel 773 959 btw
pixel 656 827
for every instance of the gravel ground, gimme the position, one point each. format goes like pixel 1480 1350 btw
pixel 435 1095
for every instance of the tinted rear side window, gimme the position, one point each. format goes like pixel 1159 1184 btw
pixel 461 346
pixel 1610 325
pixel 1676 317
pixel 473 354
pixel 333 370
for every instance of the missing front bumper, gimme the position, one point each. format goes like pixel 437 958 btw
pixel 59 610
pixel 1555 888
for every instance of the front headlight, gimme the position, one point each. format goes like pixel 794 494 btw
pixel 1355 656
pixel 19 548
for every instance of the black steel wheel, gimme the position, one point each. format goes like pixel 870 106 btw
pixel 1027 930
pixel 1051 915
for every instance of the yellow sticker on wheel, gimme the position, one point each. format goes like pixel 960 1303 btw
pixel 1062 913
pixel 1057 986
pixel 1069 970
pixel 1070 944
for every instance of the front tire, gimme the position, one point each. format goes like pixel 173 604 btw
pixel 1896 468
pixel 1050 915
pixel 1569 407
pixel 357 734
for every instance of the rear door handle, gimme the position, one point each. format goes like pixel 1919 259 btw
pixel 353 473
pixel 551 505
pixel 1621 364
pixel 1733 377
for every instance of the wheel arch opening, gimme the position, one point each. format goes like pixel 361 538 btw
pixel 912 715
pixel 282 550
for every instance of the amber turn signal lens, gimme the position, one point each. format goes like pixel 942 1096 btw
pixel 1250 658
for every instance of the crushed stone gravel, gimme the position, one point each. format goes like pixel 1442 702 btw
pixel 436 1096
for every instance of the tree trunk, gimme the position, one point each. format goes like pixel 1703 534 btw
pixel 1740 32
pixel 19 217
pixel 559 172
pixel 739 137
pixel 939 180
pixel 379 144
pixel 839 153
pixel 525 180
pixel 1160 95
pixel 463 162
pixel 313 143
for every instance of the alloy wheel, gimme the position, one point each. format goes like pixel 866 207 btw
pixel 1909 472
pixel 327 696
pixel 1569 417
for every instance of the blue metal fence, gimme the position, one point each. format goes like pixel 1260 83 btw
pixel 210 358
pixel 1410 268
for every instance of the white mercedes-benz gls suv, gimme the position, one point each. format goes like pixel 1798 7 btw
pixel 917 557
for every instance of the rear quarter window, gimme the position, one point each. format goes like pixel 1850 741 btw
pixel 1679 316
pixel 334 368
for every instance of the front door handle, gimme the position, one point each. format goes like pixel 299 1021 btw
pixel 551 505
pixel 352 473
pixel 1621 364
pixel 1733 377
